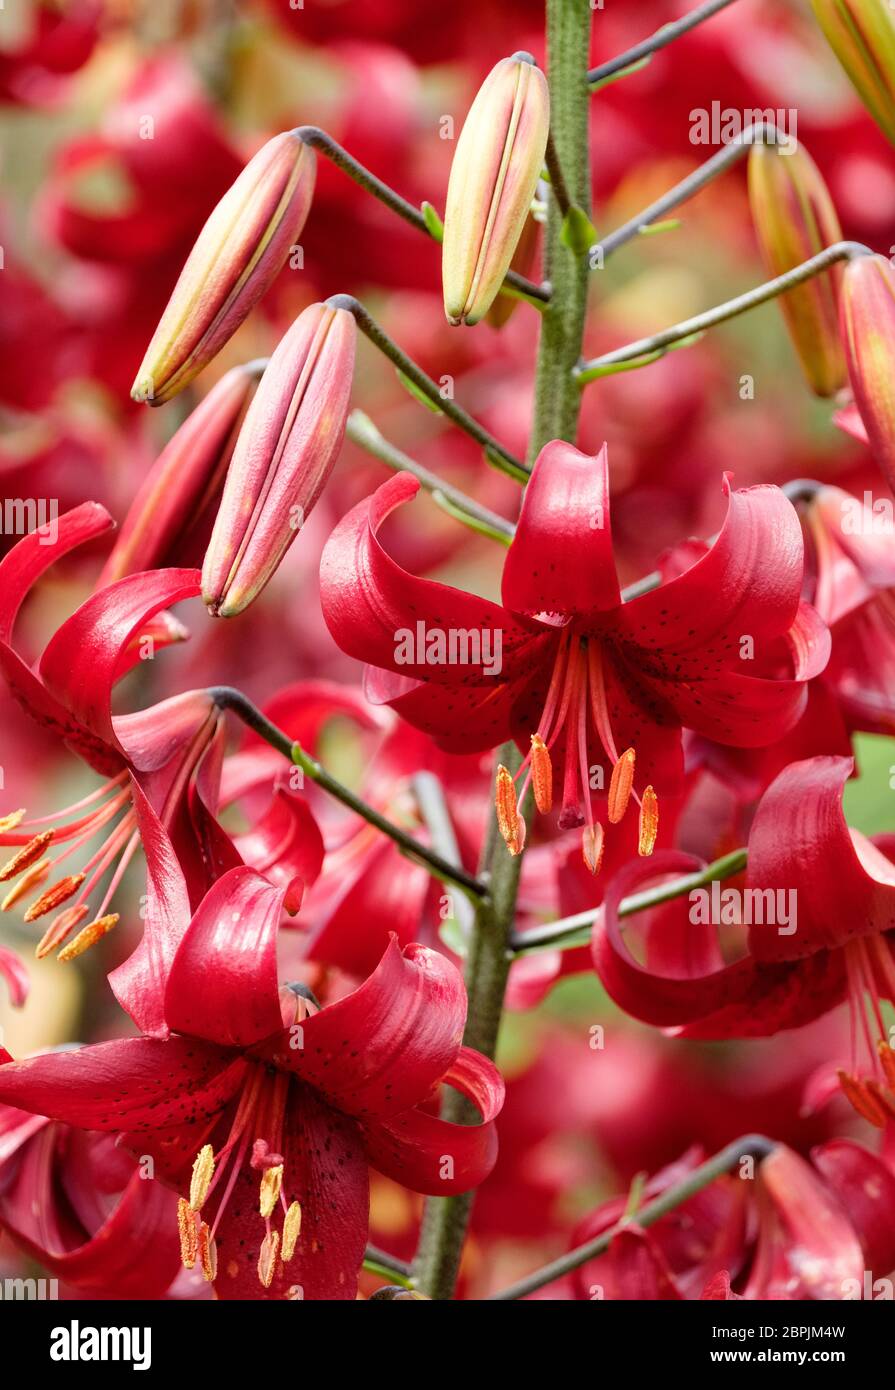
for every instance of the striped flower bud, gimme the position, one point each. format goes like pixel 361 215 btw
pixel 240 250
pixel 868 327
pixel 284 455
pixel 794 219
pixel 170 519
pixel 862 35
pixel 495 170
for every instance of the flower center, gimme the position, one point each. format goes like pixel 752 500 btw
pixel 254 1141
pixel 870 1085
pixel 574 721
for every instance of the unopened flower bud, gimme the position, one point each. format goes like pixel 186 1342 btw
pixel 170 519
pixel 285 452
pixel 862 35
pixel 794 219
pixel 242 247
pixel 868 328
pixel 495 170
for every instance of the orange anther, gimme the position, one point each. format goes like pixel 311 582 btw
pixel 620 786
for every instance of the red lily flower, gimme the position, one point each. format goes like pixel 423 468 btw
pixel 173 749
pixel 80 1207
pixel 602 685
pixel 839 945
pixel 796 1232
pixel 239 1086
pixel 680 1254
pixel 367 889
pixel 855 595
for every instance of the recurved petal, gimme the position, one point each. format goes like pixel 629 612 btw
pixel 561 560
pixel 747 584
pixel 223 984
pixel 82 660
pixel 383 1048
pixel 801 845
pixel 35 553
pixel 379 613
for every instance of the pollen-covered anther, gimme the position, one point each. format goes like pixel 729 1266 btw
pixel 35 876
pixel 862 1100
pixel 271 1183
pixel 208 1253
pixel 267 1259
pixel 189 1236
pixel 27 855
pixel 87 937
pixel 291 1231
pixel 541 774
pixel 887 1061
pixel 203 1172
pixel 649 823
pixel 510 823
pixel 10 822
pixel 54 896
pixel 60 927
pixel 621 785
pixel 592 839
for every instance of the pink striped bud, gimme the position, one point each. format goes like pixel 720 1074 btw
pixel 240 250
pixel 170 519
pixel 794 219
pixel 494 174
pixel 868 327
pixel 283 457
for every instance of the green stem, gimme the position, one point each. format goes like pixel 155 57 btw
pixel 575 930
pixel 495 452
pixel 226 697
pixel 557 402
pixel 816 265
pixel 562 324
pixel 361 430
pixel 762 132
pixel 446 1219
pixel 660 39
pixel 752 1146
pixel 334 152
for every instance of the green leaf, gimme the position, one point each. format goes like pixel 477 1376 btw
pixel 417 392
pixel 578 232
pixel 433 222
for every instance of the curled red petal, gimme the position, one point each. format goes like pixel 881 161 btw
pixel 222 985
pixel 35 553
pixel 561 559
pixel 369 601
pixel 800 845
pixel 383 1048
pixel 82 661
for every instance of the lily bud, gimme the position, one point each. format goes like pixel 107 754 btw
pixel 495 170
pixel 170 519
pixel 868 327
pixel 794 219
pixel 284 455
pixel 240 250
pixel 862 35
